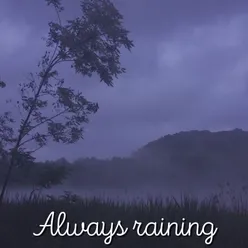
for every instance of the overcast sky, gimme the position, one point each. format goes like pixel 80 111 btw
pixel 188 70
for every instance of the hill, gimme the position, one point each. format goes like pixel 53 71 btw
pixel 223 153
pixel 199 157
pixel 223 143
pixel 194 157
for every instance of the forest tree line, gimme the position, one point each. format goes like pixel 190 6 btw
pixel 195 154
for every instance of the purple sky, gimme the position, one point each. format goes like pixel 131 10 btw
pixel 188 70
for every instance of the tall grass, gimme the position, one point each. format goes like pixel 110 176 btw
pixel 21 217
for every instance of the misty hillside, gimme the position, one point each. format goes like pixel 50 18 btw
pixel 199 156
pixel 202 145
pixel 224 144
pixel 194 157
pixel 200 153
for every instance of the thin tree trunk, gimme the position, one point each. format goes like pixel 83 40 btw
pixel 6 181
pixel 13 154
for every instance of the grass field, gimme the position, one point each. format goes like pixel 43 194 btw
pixel 21 218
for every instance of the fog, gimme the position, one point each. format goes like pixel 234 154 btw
pixel 142 182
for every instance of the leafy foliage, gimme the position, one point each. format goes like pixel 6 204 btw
pixel 51 176
pixel 2 84
pixel 91 44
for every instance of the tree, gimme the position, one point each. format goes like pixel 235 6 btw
pixel 48 177
pixel 2 84
pixel 91 44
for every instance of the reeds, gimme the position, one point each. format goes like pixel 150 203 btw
pixel 21 217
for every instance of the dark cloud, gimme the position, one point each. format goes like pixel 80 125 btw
pixel 187 71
